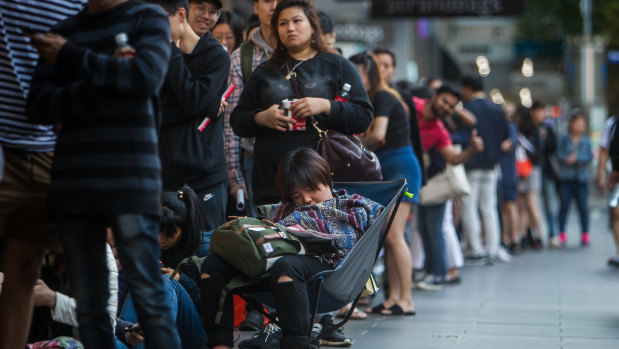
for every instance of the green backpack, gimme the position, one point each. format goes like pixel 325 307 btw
pixel 252 245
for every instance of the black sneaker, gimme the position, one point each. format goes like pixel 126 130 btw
pixel 253 322
pixel 268 338
pixel 335 338
pixel 537 245
pixel 314 341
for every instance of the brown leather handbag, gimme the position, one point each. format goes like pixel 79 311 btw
pixel 349 159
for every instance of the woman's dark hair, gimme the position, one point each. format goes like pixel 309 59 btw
pixel 368 64
pixel 523 119
pixel 326 23
pixel 236 23
pixel 302 168
pixel 370 68
pixel 182 209
pixel 280 56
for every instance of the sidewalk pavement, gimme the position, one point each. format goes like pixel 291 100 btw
pixel 561 299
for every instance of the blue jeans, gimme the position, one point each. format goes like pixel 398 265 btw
pixel 570 190
pixel 83 239
pixel 205 243
pixel 431 229
pixel 549 196
pixel 184 312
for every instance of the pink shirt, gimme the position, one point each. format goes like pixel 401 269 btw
pixel 433 133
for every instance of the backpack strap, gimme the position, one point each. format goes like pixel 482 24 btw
pixel 197 261
pixel 247 59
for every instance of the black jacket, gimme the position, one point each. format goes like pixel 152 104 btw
pixel 192 91
pixel 322 76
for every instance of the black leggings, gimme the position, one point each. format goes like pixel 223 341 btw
pixel 291 298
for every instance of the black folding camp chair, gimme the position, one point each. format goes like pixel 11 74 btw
pixel 333 289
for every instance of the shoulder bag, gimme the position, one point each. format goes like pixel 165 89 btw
pixel 447 184
pixel 348 158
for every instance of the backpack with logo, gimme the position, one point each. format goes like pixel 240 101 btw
pixel 252 245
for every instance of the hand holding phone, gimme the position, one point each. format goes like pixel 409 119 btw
pixel 133 334
pixel 135 327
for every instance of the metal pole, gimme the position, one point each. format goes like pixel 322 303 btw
pixel 587 70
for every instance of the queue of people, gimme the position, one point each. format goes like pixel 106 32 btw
pixel 123 152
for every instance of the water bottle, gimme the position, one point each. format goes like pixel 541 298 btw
pixel 344 94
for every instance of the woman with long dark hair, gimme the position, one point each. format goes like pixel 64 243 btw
pixel 529 182
pixel 388 136
pixel 304 69
pixel 229 30
pixel 181 226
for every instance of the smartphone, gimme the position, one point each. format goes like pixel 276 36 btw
pixel 135 327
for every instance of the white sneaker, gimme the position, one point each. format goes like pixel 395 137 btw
pixel 429 283
pixel 503 256
pixel 554 243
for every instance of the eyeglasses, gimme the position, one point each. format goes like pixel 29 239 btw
pixel 173 12
pixel 211 11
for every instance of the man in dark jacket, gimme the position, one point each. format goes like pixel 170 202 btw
pixel 106 171
pixel 196 79
pixel 481 169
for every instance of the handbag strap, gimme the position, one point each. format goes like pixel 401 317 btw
pixel 297 92
pixel 295 84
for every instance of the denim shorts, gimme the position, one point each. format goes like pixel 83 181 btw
pixel 402 163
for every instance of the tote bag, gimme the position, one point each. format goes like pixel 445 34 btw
pixel 447 184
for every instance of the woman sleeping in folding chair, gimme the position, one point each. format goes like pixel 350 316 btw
pixel 303 182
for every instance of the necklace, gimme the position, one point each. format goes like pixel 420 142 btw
pixel 292 73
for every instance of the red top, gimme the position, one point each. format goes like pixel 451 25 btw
pixel 433 133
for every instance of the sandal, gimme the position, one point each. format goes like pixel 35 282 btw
pixel 376 309
pixel 397 310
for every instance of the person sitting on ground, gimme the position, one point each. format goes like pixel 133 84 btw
pixel 181 235
pixel 303 183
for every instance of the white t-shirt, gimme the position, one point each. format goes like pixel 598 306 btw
pixel 607 133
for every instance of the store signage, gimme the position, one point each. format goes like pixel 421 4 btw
pixel 445 8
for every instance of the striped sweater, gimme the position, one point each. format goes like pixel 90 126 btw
pixel 106 159
pixel 17 63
